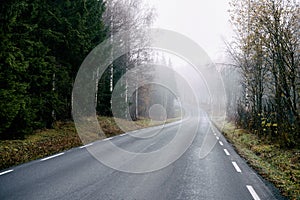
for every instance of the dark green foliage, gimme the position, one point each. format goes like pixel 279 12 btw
pixel 42 46
pixel 103 106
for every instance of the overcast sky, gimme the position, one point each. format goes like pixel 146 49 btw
pixel 204 21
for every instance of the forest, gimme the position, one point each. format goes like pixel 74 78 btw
pixel 43 44
pixel 252 99
pixel 263 83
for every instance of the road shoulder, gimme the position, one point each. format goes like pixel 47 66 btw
pixel 279 166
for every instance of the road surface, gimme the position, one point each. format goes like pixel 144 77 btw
pixel 76 174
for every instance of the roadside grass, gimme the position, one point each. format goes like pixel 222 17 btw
pixel 38 145
pixel 62 137
pixel 279 166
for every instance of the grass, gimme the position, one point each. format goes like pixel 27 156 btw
pixel 279 166
pixel 62 137
pixel 40 144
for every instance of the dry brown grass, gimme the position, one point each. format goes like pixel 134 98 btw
pixel 63 136
pixel 279 166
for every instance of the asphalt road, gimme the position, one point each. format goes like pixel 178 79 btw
pixel 76 174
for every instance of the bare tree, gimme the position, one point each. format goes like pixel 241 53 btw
pixel 132 18
pixel 266 50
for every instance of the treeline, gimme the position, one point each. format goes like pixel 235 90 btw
pixel 43 44
pixel 266 69
pixel 131 18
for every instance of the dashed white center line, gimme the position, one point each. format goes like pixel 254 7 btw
pixel 236 167
pixel 217 138
pixel 226 152
pixel 252 192
pixel 87 145
pixel 221 143
pixel 52 156
pixel 5 172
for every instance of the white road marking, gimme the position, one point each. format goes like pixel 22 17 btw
pixel 217 138
pixel 52 156
pixel 5 172
pixel 221 143
pixel 236 167
pixel 106 139
pixel 226 152
pixel 122 134
pixel 87 145
pixel 214 132
pixel 252 192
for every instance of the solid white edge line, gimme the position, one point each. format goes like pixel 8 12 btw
pixel 217 138
pixel 252 192
pixel 221 143
pixel 87 145
pixel 226 152
pixel 236 167
pixel 47 158
pixel 5 172
pixel 106 139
